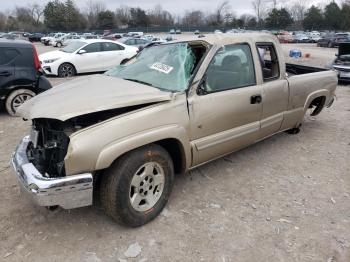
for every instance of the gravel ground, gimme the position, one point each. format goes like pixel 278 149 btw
pixel 286 198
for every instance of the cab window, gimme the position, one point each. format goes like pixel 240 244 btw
pixel 268 61
pixel 106 46
pixel 232 67
pixel 92 48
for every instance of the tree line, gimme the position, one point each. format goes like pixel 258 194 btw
pixel 59 15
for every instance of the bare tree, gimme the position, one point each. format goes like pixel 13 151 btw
pixel 122 15
pixel 223 13
pixel 93 8
pixel 246 19
pixel 3 19
pixel 260 8
pixel 37 12
pixel 193 18
pixel 297 10
pixel 159 16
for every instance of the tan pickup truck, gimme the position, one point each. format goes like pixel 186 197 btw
pixel 169 109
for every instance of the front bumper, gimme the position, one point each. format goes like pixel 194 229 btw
pixel 68 192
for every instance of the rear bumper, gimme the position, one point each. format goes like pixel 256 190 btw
pixel 68 192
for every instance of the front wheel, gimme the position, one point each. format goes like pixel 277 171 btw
pixel 135 189
pixel 66 70
pixel 16 99
pixel 59 45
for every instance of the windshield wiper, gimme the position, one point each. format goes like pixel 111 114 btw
pixel 139 81
pixel 145 83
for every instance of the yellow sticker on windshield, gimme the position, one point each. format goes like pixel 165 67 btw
pixel 162 67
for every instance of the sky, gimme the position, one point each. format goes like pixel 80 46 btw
pixel 173 6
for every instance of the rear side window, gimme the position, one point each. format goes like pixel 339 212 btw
pixel 111 47
pixel 7 55
pixel 268 61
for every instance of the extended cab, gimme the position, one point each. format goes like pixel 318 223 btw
pixel 169 109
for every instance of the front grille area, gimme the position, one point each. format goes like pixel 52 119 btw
pixel 50 147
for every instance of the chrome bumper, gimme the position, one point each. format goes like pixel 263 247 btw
pixel 68 192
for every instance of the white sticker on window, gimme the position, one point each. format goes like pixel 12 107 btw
pixel 162 67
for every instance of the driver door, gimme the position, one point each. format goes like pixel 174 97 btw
pixel 226 109
pixel 90 61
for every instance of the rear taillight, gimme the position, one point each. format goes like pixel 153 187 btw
pixel 37 64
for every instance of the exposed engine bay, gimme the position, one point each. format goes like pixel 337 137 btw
pixel 50 138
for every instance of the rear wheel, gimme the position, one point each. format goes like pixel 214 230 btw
pixel 66 70
pixel 16 99
pixel 135 189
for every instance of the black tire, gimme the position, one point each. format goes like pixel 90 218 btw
pixel 294 131
pixel 59 45
pixel 66 70
pixel 115 187
pixel 17 98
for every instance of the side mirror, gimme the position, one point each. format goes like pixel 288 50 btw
pixel 82 51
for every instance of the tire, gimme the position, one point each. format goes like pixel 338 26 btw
pixel 330 45
pixel 141 167
pixel 59 45
pixel 16 98
pixel 294 131
pixel 66 70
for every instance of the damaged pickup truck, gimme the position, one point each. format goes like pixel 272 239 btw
pixel 169 109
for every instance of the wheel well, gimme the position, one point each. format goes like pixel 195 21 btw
pixel 176 151
pixel 69 64
pixel 319 103
pixel 14 88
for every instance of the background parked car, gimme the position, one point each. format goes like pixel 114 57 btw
pixel 140 43
pixel 35 37
pixel 83 56
pixel 20 75
pixel 301 38
pixel 285 37
pixel 342 62
pixel 333 40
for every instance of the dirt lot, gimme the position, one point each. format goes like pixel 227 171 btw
pixel 284 199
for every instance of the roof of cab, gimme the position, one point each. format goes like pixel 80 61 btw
pixel 14 43
pixel 228 38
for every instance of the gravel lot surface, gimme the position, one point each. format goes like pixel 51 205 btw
pixel 286 198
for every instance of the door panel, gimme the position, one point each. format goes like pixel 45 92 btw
pixel 223 122
pixel 226 117
pixel 275 104
pixel 89 61
pixel 7 66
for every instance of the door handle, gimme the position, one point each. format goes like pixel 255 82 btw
pixel 255 99
pixel 5 73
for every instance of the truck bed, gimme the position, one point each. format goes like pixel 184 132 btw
pixel 294 69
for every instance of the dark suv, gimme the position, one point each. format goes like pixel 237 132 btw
pixel 20 74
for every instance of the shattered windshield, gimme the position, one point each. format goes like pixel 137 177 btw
pixel 167 67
